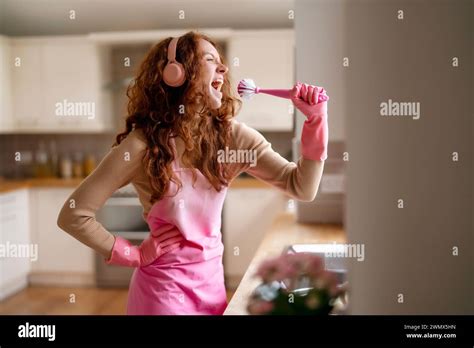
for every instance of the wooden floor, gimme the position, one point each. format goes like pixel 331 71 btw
pixel 67 301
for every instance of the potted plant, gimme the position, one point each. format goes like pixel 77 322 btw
pixel 296 284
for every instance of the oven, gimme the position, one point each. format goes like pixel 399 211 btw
pixel 122 215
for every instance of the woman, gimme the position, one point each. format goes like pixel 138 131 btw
pixel 169 152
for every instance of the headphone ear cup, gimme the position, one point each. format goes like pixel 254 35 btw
pixel 173 74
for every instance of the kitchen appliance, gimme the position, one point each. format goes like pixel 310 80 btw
pixel 122 215
pixel 329 204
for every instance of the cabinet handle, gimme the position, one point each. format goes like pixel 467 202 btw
pixel 9 217
pixel 8 199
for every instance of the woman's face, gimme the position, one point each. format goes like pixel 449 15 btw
pixel 212 73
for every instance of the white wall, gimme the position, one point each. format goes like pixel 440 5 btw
pixel 320 48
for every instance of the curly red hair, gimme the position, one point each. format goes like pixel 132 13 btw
pixel 161 111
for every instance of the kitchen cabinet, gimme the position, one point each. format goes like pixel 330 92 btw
pixel 267 57
pixel 48 73
pixel 26 85
pixel 5 83
pixel 33 249
pixel 62 259
pixel 57 85
pixel 72 74
pixel 16 256
pixel 248 213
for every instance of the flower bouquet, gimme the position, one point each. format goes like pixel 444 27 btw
pixel 296 284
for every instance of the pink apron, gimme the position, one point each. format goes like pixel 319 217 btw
pixel 190 279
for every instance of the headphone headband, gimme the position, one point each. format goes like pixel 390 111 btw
pixel 172 49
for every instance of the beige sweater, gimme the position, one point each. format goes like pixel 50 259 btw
pixel 123 164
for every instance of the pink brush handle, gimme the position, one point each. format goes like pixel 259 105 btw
pixel 285 93
pixel 282 93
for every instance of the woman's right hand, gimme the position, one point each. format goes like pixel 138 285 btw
pixel 153 247
pixel 126 254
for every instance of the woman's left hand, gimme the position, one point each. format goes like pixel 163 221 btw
pixel 315 133
pixel 305 97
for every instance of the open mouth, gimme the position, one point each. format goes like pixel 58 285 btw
pixel 215 93
pixel 217 85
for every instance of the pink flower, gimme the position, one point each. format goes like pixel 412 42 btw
pixel 291 266
pixel 260 307
pixel 299 262
pixel 315 266
pixel 289 269
pixel 269 270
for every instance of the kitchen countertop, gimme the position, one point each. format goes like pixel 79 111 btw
pixel 7 185
pixel 283 232
pixel 248 182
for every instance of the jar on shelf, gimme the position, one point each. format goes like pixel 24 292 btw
pixel 89 164
pixel 77 168
pixel 65 167
pixel 41 161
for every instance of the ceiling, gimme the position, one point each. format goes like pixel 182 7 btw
pixel 51 17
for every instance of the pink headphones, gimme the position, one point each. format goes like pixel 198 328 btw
pixel 173 74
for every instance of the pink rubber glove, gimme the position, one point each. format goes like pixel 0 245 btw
pixel 314 138
pixel 126 254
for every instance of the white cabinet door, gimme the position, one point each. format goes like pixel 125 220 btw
pixel 26 84
pixel 58 251
pixel 17 253
pixel 5 87
pixel 248 213
pixel 267 57
pixel 68 91
pixel 72 87
pixel 59 85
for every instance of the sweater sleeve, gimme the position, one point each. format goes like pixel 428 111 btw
pixel 298 180
pixel 116 169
